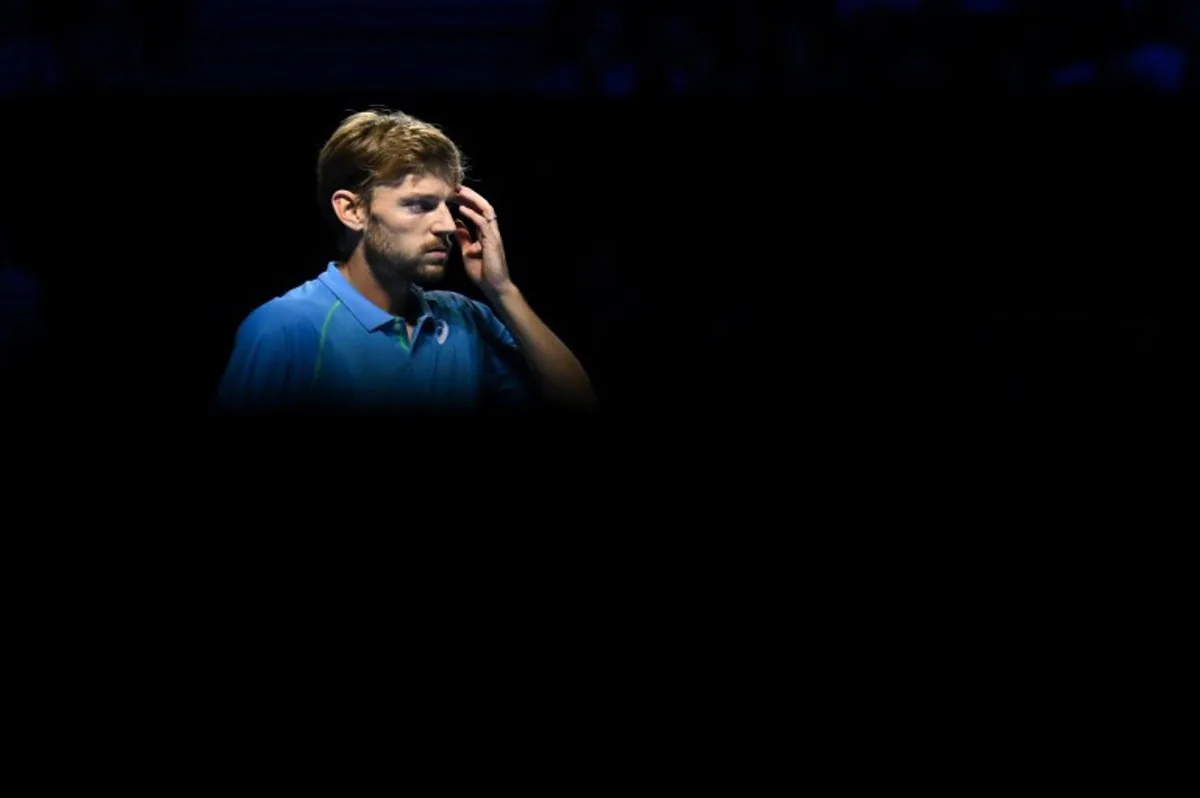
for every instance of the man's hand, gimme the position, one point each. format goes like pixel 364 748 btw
pixel 559 372
pixel 483 258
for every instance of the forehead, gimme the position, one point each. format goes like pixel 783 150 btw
pixel 419 185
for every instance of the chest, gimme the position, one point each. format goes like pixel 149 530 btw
pixel 427 363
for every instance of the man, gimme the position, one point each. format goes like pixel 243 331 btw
pixel 364 334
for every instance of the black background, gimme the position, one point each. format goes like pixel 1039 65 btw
pixel 859 251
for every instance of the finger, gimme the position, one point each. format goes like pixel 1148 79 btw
pixel 471 197
pixel 481 224
pixel 462 234
pixel 469 248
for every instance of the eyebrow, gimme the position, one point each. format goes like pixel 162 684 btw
pixel 430 197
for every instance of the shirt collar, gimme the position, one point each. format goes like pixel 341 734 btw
pixel 364 310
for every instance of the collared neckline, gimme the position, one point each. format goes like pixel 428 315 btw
pixel 364 310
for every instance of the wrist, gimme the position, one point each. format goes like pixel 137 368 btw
pixel 505 291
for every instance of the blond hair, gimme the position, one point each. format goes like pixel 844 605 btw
pixel 381 147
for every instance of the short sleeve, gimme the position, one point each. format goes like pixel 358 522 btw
pixel 506 377
pixel 270 366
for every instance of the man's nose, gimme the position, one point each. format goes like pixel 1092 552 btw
pixel 444 222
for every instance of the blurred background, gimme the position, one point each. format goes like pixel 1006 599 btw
pixel 888 208
pixel 615 48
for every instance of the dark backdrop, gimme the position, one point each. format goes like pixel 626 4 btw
pixel 866 216
pixel 800 251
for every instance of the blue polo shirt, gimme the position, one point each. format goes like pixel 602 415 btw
pixel 325 345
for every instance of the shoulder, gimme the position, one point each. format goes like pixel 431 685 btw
pixel 453 307
pixel 450 302
pixel 293 314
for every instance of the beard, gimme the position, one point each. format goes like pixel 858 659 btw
pixel 394 268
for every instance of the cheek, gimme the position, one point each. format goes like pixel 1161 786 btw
pixel 387 238
pixel 379 232
pixel 397 234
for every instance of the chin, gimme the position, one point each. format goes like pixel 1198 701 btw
pixel 430 271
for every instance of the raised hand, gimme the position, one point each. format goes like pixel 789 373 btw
pixel 484 257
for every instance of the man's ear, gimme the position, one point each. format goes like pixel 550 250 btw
pixel 349 209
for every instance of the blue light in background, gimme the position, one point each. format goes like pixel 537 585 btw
pixel 1161 66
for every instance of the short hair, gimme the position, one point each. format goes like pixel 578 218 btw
pixel 381 147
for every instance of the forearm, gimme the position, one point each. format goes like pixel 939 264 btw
pixel 559 373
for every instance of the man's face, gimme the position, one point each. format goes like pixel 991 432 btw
pixel 408 232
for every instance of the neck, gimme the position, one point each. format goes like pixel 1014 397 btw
pixel 390 298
